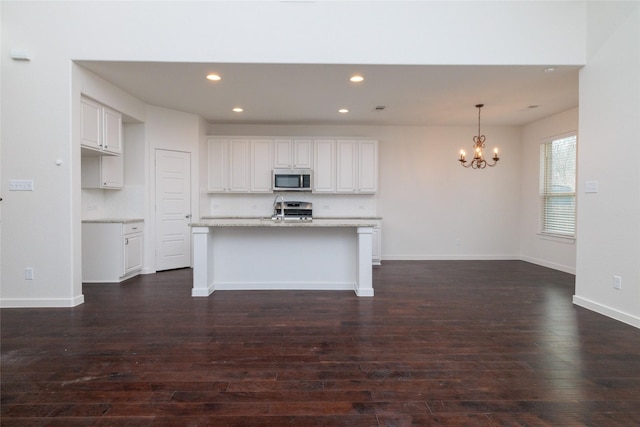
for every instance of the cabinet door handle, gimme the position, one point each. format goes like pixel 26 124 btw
pixel 187 216
pixel 126 240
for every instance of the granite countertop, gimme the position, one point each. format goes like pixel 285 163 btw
pixel 327 218
pixel 113 220
pixel 247 221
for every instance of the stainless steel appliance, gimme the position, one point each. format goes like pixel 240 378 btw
pixel 293 211
pixel 292 179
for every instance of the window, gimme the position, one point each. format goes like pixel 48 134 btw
pixel 558 186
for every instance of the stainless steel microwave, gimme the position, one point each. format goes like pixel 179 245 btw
pixel 292 179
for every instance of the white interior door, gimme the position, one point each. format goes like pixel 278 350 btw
pixel 173 209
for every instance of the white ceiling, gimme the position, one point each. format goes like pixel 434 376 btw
pixel 313 93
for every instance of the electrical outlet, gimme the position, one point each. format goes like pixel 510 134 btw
pixel 28 273
pixel 617 282
pixel 457 242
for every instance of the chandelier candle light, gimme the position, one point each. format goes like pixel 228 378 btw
pixel 478 161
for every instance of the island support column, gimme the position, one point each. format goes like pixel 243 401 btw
pixel 202 267
pixel 364 273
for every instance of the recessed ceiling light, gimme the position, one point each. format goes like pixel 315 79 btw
pixel 343 111
pixel 356 78
pixel 238 110
pixel 214 77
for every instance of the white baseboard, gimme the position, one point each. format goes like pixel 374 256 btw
pixel 613 313
pixel 552 265
pixel 450 258
pixel 298 286
pixel 41 302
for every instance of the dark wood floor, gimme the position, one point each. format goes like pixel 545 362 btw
pixel 491 343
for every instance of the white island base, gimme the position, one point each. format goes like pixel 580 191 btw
pixel 294 256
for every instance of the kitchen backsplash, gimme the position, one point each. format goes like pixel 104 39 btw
pixel 324 205
pixel 125 203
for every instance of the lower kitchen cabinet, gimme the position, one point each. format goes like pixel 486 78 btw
pixel 112 251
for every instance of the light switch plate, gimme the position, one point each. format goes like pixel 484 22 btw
pixel 20 185
pixel 591 187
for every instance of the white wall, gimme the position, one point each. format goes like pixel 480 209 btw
pixel 608 152
pixel 169 130
pixel 39 96
pixel 432 208
pixel 557 253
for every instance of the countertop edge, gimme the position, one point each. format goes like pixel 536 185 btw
pixel 112 220
pixel 266 222
pixel 319 218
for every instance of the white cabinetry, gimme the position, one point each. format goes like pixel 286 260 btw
pixel 90 124
pixel 111 251
pixel 348 166
pixel 100 128
pixel 218 165
pixel 377 244
pixel 102 172
pixel 261 169
pixel 101 143
pixel 245 164
pixel 228 165
pixel 132 248
pixel 293 153
pixel 367 166
pixel 239 165
pixel 324 166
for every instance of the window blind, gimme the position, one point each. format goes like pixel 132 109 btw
pixel 558 186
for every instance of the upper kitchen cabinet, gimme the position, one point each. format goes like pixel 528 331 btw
pixel 101 142
pixel 367 166
pixel 261 170
pixel 229 165
pixel 106 172
pixel 293 153
pixel 101 128
pixel 347 166
pixel 324 166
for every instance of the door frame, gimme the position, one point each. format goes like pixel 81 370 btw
pixel 154 204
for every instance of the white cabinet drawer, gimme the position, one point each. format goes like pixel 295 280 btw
pixel 133 227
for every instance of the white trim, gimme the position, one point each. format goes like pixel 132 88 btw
pixel 543 263
pixel 41 302
pixel 613 313
pixel 558 238
pixel 552 265
pixel 451 258
pixel 199 292
pixel 307 286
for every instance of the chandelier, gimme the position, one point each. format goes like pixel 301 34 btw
pixel 478 161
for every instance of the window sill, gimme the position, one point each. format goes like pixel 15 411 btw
pixel 559 238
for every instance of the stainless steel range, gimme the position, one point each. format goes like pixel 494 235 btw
pixel 292 211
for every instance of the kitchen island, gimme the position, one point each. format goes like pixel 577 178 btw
pixel 260 253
